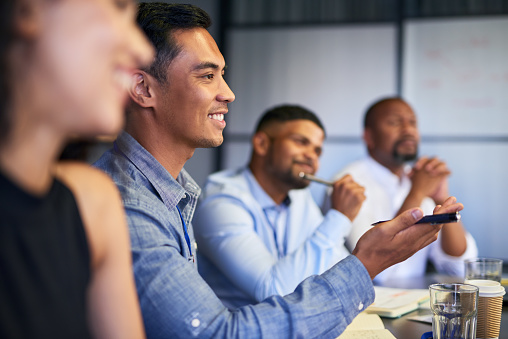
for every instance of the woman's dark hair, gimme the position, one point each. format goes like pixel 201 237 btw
pixel 6 38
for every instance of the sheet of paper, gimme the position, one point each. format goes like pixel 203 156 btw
pixel 367 334
pixel 364 321
pixel 394 297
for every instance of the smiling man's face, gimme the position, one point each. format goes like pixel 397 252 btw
pixel 194 99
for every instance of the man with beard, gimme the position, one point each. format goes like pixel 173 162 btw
pixel 259 231
pixel 393 186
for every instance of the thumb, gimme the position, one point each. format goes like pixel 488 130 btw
pixel 405 219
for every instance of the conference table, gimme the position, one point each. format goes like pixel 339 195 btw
pixel 403 328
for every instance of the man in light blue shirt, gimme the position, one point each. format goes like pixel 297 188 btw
pixel 258 229
pixel 178 104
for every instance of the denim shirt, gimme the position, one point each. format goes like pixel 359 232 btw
pixel 177 303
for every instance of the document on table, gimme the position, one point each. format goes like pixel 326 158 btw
pixel 394 302
pixel 366 326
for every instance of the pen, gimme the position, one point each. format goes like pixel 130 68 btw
pixel 434 219
pixel 314 178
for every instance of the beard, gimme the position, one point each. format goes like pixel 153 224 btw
pixel 403 157
pixel 288 176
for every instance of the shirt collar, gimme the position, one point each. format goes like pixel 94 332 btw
pixel 259 194
pixel 171 191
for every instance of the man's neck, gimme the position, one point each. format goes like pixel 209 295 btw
pixel 170 155
pixel 273 187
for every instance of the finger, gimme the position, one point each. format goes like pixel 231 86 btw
pixel 403 220
pixel 423 234
pixel 440 169
pixel 449 201
pixel 345 179
pixel 420 163
pixel 430 239
pixel 457 207
pixel 432 163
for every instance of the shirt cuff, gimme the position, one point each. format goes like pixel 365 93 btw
pixel 352 284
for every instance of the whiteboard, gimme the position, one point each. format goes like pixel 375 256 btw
pixel 334 71
pixel 455 74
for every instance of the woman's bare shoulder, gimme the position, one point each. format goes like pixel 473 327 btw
pixel 98 201
pixel 82 178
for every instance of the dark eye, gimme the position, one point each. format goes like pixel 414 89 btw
pixel 300 141
pixel 209 76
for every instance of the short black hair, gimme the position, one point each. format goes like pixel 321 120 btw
pixel 284 113
pixel 159 21
pixel 368 119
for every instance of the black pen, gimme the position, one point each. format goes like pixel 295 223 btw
pixel 314 178
pixel 434 219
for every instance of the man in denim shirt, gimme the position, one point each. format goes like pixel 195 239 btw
pixel 179 105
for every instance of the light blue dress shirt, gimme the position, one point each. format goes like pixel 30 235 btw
pixel 177 303
pixel 251 248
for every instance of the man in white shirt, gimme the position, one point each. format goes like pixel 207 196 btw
pixel 393 186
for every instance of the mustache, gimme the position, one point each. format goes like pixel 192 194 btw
pixel 223 107
pixel 305 162
pixel 404 139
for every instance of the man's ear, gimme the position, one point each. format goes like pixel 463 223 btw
pixel 141 90
pixel 260 143
pixel 368 138
pixel 27 18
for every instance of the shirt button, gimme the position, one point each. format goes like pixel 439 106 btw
pixel 195 322
pixel 360 307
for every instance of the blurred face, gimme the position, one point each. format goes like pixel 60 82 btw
pixel 193 103
pixel 394 136
pixel 85 54
pixel 295 147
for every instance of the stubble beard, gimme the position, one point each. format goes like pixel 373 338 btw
pixel 210 142
pixel 287 177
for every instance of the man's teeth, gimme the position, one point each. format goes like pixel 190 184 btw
pixel 219 117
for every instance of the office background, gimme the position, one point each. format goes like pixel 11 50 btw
pixel 448 58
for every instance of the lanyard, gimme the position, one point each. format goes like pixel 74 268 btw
pixel 187 239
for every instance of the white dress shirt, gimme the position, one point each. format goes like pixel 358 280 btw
pixel 385 193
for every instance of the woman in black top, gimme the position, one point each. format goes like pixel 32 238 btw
pixel 65 267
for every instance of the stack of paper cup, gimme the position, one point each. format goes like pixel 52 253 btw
pixel 490 305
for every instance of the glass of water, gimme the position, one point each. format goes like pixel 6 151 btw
pixel 454 308
pixel 484 269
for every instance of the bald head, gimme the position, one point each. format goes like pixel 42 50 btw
pixel 380 107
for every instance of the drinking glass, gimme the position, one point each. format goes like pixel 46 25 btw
pixel 484 269
pixel 454 308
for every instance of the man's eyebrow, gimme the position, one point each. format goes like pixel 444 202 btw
pixel 207 64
